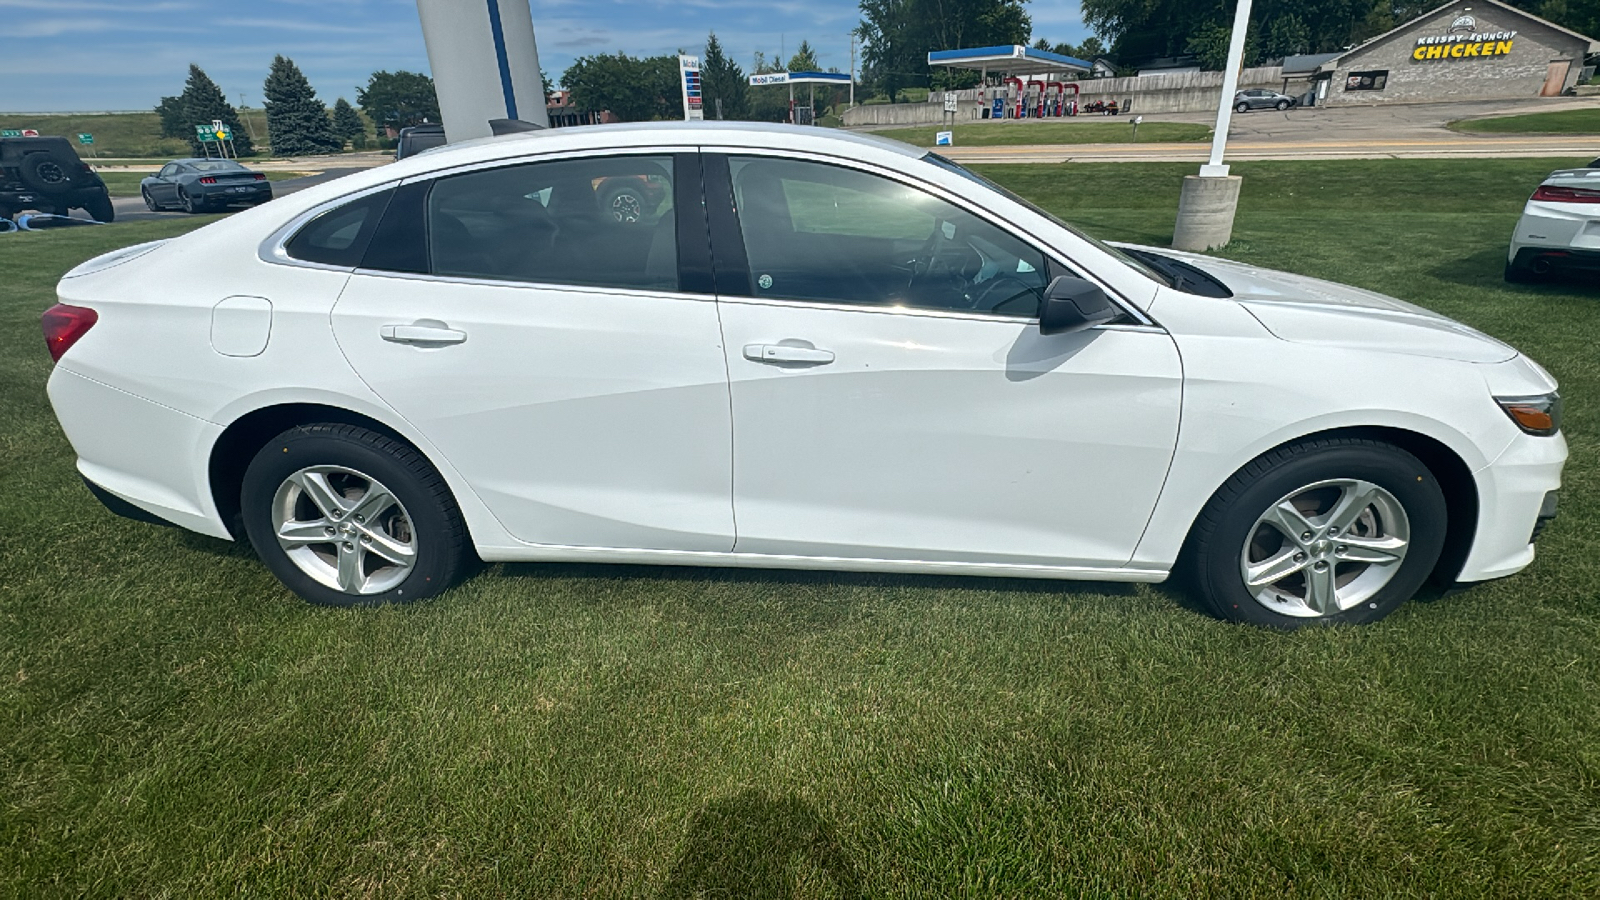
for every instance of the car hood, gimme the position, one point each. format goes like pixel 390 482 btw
pixel 1312 311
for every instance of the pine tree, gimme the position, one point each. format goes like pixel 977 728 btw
pixel 201 103
pixel 721 79
pixel 347 124
pixel 296 120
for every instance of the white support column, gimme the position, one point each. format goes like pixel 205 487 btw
pixel 485 64
pixel 1230 86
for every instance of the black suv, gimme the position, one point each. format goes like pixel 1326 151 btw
pixel 45 174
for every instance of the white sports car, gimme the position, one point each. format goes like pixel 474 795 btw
pixel 817 350
pixel 1560 228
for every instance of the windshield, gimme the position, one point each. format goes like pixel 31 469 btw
pixel 215 165
pixel 970 175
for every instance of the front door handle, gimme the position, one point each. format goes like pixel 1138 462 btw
pixel 782 353
pixel 421 334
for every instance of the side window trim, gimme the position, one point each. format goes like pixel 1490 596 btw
pixel 696 274
pixel 729 260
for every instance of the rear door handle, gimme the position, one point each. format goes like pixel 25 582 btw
pixel 780 353
pixel 421 334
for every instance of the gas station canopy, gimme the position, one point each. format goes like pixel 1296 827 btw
pixel 800 78
pixel 1013 60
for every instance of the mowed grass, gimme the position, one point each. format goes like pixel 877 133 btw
pixel 173 723
pixel 1568 121
pixel 1082 130
pixel 126 184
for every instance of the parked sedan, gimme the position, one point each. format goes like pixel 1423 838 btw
pixel 201 185
pixel 821 350
pixel 1244 101
pixel 1559 231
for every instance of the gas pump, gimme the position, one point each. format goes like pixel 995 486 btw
pixel 1053 107
pixel 1036 98
pixel 1021 97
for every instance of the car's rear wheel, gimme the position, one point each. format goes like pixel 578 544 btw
pixel 189 203
pixel 149 201
pixel 345 516
pixel 1329 531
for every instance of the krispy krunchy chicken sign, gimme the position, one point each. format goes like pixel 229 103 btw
pixel 1463 42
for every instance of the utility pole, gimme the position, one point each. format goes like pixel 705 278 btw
pixel 852 69
pixel 248 127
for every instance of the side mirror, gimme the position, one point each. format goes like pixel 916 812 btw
pixel 1072 304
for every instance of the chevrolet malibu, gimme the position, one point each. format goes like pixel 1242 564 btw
pixel 818 351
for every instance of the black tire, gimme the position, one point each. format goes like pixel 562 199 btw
pixel 189 204
pixel 626 204
pixel 52 171
pixel 1283 105
pixel 1516 274
pixel 443 551
pixel 100 207
pixel 1219 537
pixel 1241 107
pixel 149 201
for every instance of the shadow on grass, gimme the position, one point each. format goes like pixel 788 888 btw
pixel 759 847
pixel 1486 268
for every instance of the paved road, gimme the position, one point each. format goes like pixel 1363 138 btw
pixel 1325 132
pixel 132 209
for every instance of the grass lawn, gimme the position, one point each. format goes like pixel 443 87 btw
pixel 126 184
pixel 173 723
pixel 1569 121
pixel 1096 130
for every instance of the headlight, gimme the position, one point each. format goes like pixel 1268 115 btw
pixel 1539 416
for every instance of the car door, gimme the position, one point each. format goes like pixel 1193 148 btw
pixel 550 351
pixel 893 397
pixel 165 190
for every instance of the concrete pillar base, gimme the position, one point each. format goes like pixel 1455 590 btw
pixel 1205 213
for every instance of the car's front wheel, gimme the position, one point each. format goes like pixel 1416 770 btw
pixel 1335 530
pixel 1283 105
pixel 345 516
pixel 1242 106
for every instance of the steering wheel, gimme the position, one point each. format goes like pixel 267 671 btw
pixel 921 263
pixel 998 291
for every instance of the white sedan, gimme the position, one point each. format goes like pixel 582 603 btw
pixel 1559 231
pixel 806 349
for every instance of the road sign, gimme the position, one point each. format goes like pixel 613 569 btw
pixel 950 102
pixel 86 139
pixel 10 132
pixel 29 132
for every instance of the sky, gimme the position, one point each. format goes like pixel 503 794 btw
pixel 94 55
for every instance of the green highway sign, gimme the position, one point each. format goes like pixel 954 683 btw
pixel 11 132
pixel 85 139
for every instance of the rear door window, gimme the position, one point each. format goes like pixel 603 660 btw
pixel 596 221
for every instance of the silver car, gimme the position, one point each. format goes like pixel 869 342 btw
pixel 1244 101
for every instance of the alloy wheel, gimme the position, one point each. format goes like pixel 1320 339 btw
pixel 1325 548
pixel 344 529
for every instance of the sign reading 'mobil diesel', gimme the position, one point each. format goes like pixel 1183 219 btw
pixel 1463 46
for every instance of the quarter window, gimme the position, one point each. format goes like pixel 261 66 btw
pixel 604 221
pixel 821 232
pixel 339 237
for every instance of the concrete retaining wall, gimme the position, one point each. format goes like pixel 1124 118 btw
pixel 1188 92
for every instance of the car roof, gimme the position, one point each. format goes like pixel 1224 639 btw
pixel 635 134
pixel 201 159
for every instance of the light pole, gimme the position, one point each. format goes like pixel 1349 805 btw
pixel 1209 200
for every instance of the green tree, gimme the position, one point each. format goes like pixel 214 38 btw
pixel 900 33
pixel 722 79
pixel 347 124
pixel 201 103
pixel 632 89
pixel 804 59
pixel 296 120
pixel 398 99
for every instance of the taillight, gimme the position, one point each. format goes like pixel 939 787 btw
pixel 260 177
pixel 63 325
pixel 1556 194
pixel 208 179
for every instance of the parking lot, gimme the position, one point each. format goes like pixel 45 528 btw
pixel 173 717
